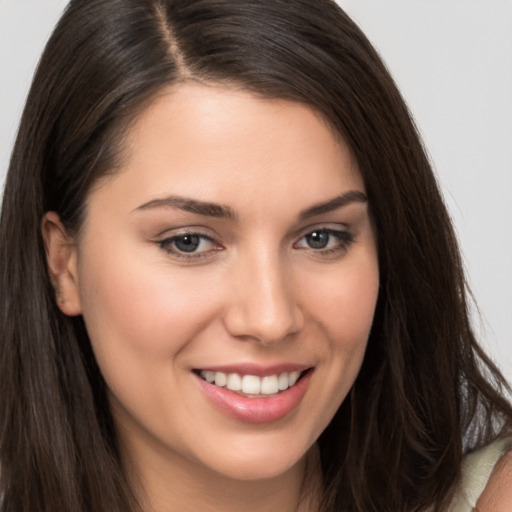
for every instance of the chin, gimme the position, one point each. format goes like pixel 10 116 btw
pixel 255 464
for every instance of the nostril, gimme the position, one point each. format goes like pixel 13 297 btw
pixel 264 326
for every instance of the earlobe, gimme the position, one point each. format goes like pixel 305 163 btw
pixel 61 260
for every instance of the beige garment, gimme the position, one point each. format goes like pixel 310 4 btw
pixel 476 471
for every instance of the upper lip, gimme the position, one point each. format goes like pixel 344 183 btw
pixel 256 369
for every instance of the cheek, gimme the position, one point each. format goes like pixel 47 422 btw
pixel 137 311
pixel 142 323
pixel 341 307
pixel 344 305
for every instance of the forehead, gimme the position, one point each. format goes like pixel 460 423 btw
pixel 223 144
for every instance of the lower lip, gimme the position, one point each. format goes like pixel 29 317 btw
pixel 256 410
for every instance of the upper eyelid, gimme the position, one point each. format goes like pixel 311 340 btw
pixel 328 226
pixel 333 226
pixel 207 233
pixel 171 238
pixel 331 231
pixel 166 245
pixel 186 230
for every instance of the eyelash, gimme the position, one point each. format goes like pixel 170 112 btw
pixel 168 245
pixel 344 240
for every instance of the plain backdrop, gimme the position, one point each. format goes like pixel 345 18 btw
pixel 452 60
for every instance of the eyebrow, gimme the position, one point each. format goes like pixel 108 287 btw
pixel 225 212
pixel 352 196
pixel 193 206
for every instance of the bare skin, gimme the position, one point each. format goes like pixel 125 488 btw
pixel 497 495
pixel 236 235
pixel 257 288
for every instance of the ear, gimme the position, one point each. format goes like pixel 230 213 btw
pixel 61 259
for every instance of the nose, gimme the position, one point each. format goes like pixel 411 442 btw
pixel 262 305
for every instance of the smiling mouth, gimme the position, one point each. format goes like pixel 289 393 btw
pixel 252 386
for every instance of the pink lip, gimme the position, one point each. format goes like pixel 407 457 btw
pixel 255 369
pixel 256 410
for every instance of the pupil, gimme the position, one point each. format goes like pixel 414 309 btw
pixel 187 243
pixel 318 239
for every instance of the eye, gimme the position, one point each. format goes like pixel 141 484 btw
pixel 188 244
pixel 326 240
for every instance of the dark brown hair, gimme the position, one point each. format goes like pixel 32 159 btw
pixel 426 392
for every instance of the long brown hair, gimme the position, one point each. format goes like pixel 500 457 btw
pixel 426 392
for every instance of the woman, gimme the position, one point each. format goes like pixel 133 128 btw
pixel 229 281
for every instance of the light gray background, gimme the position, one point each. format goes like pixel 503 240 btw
pixel 452 59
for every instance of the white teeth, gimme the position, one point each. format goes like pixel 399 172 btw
pixel 220 379
pixel 282 382
pixel 293 377
pixel 252 384
pixel 209 376
pixel 234 382
pixel 269 385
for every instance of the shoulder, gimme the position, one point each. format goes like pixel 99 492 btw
pixel 486 479
pixel 497 495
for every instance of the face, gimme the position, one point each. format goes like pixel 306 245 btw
pixel 228 276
